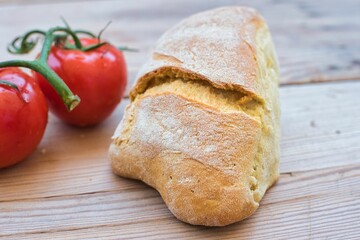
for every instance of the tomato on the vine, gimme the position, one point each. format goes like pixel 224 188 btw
pixel 23 115
pixel 94 70
pixel 97 76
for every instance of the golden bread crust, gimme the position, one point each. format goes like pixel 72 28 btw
pixel 198 178
pixel 216 45
pixel 202 127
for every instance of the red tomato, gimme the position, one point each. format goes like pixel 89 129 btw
pixel 98 77
pixel 23 116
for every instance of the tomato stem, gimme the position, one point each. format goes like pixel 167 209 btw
pixel 40 65
pixel 70 100
pixel 24 44
pixel 13 86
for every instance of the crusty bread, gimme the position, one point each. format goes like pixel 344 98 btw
pixel 203 123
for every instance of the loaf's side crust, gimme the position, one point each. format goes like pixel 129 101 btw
pixel 201 181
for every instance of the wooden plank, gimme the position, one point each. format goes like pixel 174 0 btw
pixel 317 204
pixel 66 188
pixel 320 129
pixel 316 40
pixel 320 126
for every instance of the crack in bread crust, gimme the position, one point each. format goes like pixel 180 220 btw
pixel 156 76
pixel 203 92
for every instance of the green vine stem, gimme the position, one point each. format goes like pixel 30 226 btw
pixel 9 84
pixel 70 100
pixel 40 65
pixel 12 86
pixel 22 45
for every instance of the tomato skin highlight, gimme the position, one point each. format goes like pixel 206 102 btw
pixel 23 116
pixel 98 77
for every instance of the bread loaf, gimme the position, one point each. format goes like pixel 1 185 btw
pixel 202 127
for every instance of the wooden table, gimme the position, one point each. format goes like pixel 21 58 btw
pixel 66 190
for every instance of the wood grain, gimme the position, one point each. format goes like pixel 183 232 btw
pixel 320 130
pixel 315 40
pixel 307 205
pixel 66 189
pixel 320 126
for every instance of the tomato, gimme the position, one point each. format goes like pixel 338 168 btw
pixel 23 116
pixel 98 77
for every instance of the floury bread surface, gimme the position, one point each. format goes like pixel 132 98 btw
pixel 202 127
